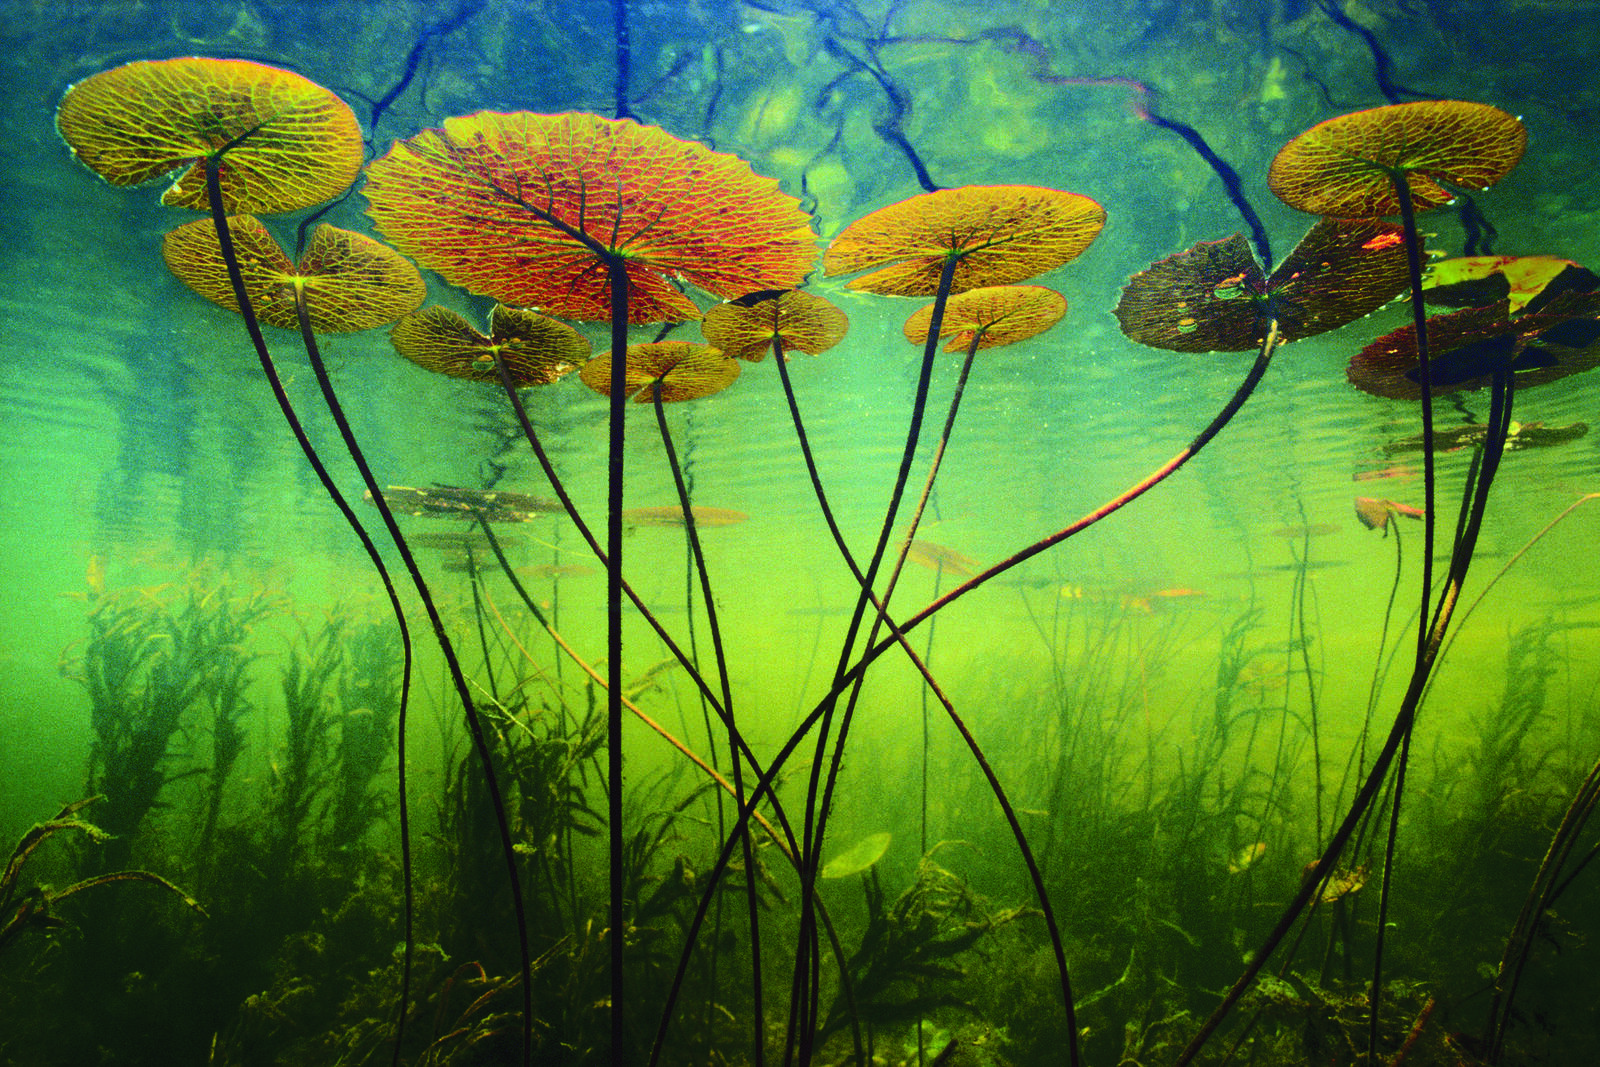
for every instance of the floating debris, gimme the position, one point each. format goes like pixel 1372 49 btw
pixel 451 502
pixel 1522 435
pixel 1375 514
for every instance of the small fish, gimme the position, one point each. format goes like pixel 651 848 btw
pixel 1341 883
pixel 1393 471
pixel 937 557
pixel 673 516
pixel 1177 592
pixel 95 575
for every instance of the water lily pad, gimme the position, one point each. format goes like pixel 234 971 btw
pixel 992 316
pixel 287 142
pixel 350 281
pixel 515 206
pixel 684 370
pixel 999 234
pixel 1467 348
pixel 746 328
pixel 536 349
pixel 1213 298
pixel 1344 166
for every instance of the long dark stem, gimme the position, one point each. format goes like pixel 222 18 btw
pixel 1501 395
pixel 1035 874
pixel 816 816
pixel 727 703
pixel 1419 318
pixel 684 658
pixel 458 677
pixel 618 271
pixel 897 569
pixel 1541 896
pixel 765 783
pixel 1405 719
pixel 1257 371
pixel 269 369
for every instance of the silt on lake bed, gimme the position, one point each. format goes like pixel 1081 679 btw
pixel 458 543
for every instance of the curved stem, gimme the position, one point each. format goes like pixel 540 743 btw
pixel 1419 318
pixel 1399 732
pixel 727 703
pixel 1035 873
pixel 816 816
pixel 768 777
pixel 1116 503
pixel 458 677
pixel 1541 895
pixel 685 660
pixel 269 369
pixel 895 571
pixel 1515 558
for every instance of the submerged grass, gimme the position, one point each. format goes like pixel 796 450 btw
pixel 1163 838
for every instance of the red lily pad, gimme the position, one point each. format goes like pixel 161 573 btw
pixel 1469 347
pixel 520 206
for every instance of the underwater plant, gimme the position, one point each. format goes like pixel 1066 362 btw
pixel 579 217
pixel 150 665
pixel 255 138
pixel 587 217
pixel 32 909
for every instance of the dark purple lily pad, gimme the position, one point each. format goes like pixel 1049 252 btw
pixel 1467 348
pixel 1213 298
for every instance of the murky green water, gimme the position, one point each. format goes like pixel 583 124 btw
pixel 1181 705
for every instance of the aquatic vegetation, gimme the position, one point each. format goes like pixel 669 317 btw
pixel 1158 761
pixel 535 349
pixel 909 952
pixel 289 142
pixel 152 661
pixel 33 908
pixel 789 320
